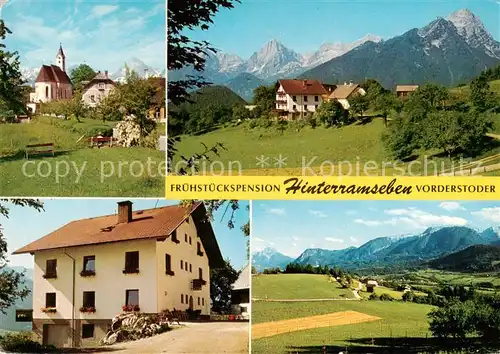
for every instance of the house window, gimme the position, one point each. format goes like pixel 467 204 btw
pixel 89 263
pixel 132 297
pixel 50 268
pixel 182 264
pixel 200 273
pixel 202 301
pixel 89 299
pixel 315 107
pixel 190 240
pixel 168 264
pixel 199 252
pixel 294 98
pixel 182 298
pixel 198 301
pixel 305 98
pixel 305 107
pixel 294 107
pixel 190 268
pixel 87 330
pixel 174 237
pixel 131 262
pixel 50 299
pixel 101 85
pixel 92 98
pixel 187 220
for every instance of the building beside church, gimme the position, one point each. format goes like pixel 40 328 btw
pixel 52 82
pixel 97 89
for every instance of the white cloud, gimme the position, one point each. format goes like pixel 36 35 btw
pixel 276 211
pixel 353 239
pixel 103 10
pixel 335 240
pixel 318 213
pixel 414 218
pixel 294 244
pixel 490 214
pixel 451 206
pixel 295 238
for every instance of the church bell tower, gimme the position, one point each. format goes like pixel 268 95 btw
pixel 61 59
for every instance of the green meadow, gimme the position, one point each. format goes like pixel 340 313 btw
pixel 76 169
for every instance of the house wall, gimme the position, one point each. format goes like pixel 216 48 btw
pixel 170 287
pixel 109 283
pixel 98 94
pixel 55 92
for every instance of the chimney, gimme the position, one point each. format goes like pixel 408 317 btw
pixel 106 74
pixel 124 212
pixel 304 82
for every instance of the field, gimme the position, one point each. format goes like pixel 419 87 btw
pixel 76 169
pixel 309 148
pixel 297 286
pixel 398 321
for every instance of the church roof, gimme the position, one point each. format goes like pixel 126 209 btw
pixel 52 73
pixel 61 52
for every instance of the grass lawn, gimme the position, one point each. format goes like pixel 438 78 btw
pixel 297 286
pixel 76 170
pixel 357 143
pixel 397 320
pixel 455 278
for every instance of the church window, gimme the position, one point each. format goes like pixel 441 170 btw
pixel 46 92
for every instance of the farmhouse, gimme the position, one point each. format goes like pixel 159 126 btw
pixel 371 285
pixel 52 82
pixel 343 93
pixel 97 89
pixel 296 98
pixel 89 270
pixel 405 90
pixel 240 293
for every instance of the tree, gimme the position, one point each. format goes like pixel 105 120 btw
pixel 11 282
pixel 359 104
pixel 264 97
pixel 183 52
pixel 75 107
pixel 82 72
pixel 137 98
pixel 373 89
pixel 451 131
pixel 332 114
pixel 453 320
pixel 221 280
pixel 11 91
pixel 434 94
pixel 480 94
pixel 402 137
pixel 109 108
pixel 384 104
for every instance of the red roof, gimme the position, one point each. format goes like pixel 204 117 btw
pixel 303 87
pixel 54 74
pixel 157 223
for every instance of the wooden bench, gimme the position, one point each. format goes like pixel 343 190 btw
pixel 101 141
pixel 39 149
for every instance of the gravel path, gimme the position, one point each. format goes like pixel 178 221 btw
pixel 213 337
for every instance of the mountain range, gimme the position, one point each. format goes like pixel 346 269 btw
pixel 446 51
pixel 386 251
pixel 118 75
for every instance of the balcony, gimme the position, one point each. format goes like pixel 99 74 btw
pixel 281 101
pixel 197 284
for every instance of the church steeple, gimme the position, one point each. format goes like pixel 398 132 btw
pixel 61 58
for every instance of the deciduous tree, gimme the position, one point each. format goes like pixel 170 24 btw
pixel 332 114
pixel 221 280
pixel 82 72
pixel 11 282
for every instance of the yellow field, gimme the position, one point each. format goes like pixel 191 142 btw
pixel 269 329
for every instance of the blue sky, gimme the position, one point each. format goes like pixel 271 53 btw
pixel 303 25
pixel 25 225
pixel 292 226
pixel 100 33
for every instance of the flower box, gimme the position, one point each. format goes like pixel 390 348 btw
pixel 89 309
pixel 131 271
pixel 130 308
pixel 48 309
pixel 87 273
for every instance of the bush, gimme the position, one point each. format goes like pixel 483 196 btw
pixel 373 297
pixel 386 297
pixel 22 343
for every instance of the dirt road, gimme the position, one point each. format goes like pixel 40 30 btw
pixel 214 337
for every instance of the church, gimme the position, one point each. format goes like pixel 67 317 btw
pixel 52 82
